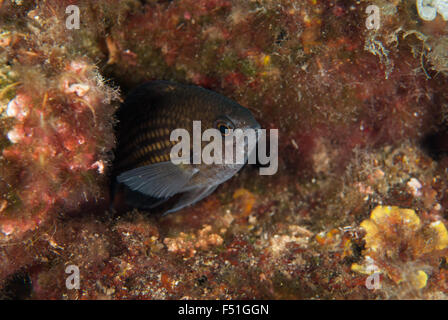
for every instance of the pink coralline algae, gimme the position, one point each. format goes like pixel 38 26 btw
pixel 56 125
pixel 54 146
pixel 361 187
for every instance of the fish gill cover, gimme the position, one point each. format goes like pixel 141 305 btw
pixel 357 209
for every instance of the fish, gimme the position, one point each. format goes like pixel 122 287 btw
pixel 147 118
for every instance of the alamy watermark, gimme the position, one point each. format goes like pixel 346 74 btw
pixel 73 280
pixel 72 21
pixel 373 21
pixel 239 146
pixel 373 281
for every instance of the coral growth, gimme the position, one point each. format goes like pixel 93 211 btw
pixel 403 247
pixel 56 128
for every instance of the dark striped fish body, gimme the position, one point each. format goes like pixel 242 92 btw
pixel 148 116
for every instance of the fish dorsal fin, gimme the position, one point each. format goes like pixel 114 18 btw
pixel 159 180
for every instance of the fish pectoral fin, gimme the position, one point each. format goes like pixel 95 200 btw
pixel 159 180
pixel 192 196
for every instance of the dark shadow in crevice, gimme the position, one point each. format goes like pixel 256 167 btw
pixel 435 144
pixel 17 287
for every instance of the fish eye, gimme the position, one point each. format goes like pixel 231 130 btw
pixel 224 127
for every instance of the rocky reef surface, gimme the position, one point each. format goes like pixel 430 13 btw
pixel 357 209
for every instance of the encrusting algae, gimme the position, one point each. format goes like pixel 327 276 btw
pixel 395 239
